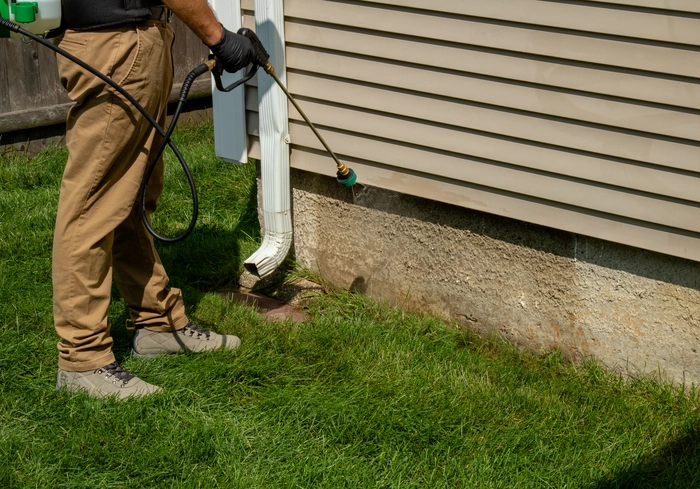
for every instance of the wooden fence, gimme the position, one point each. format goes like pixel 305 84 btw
pixel 31 95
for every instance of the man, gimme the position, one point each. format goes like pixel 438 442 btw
pixel 99 232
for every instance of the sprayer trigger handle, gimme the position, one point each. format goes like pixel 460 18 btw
pixel 218 72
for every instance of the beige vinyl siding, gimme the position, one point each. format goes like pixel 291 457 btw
pixel 580 116
pixel 678 5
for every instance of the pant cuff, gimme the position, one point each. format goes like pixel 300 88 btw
pixel 175 326
pixel 85 366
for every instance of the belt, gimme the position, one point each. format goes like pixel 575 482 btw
pixel 161 13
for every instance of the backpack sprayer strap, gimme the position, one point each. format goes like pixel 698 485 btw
pixel 161 13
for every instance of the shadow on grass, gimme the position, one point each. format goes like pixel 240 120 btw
pixel 210 259
pixel 676 465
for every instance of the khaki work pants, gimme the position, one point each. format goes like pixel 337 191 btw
pixel 98 226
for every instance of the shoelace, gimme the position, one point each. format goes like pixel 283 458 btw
pixel 117 371
pixel 192 328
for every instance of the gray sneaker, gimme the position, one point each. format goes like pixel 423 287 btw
pixel 191 338
pixel 110 380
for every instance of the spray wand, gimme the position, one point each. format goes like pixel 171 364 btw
pixel 261 59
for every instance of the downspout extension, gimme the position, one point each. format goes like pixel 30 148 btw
pixel 274 148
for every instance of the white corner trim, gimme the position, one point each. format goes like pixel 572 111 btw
pixel 230 135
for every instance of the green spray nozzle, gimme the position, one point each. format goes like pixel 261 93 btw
pixel 348 179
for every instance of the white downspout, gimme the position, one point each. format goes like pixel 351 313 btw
pixel 274 147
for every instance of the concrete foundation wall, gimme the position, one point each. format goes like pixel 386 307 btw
pixel 631 309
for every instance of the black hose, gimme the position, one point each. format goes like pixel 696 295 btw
pixel 186 85
pixel 201 69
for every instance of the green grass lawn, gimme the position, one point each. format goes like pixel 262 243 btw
pixel 363 395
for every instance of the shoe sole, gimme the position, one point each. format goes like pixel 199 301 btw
pixel 149 355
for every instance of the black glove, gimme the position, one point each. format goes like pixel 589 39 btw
pixel 233 51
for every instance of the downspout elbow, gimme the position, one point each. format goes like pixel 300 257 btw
pixel 270 255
